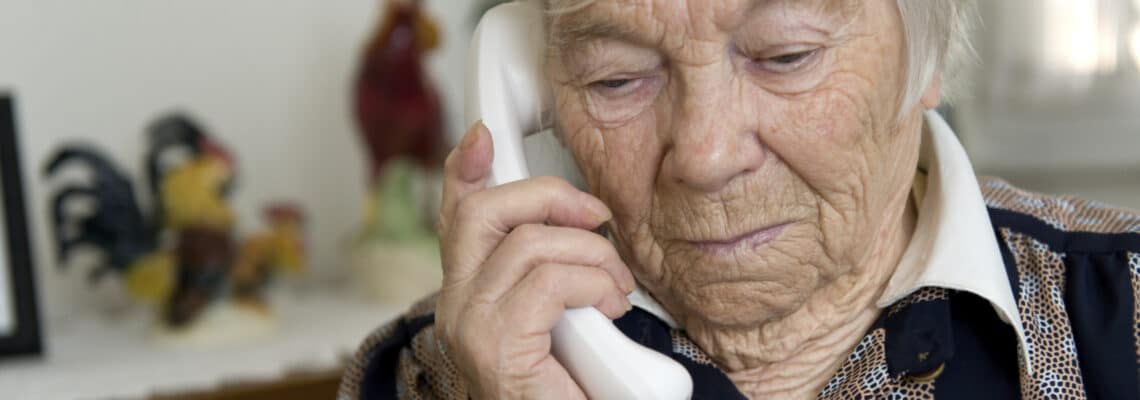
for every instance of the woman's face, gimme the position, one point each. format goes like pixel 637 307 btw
pixel 750 150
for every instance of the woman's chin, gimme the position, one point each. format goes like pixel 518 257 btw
pixel 745 287
pixel 740 304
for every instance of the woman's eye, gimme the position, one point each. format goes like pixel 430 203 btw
pixel 613 83
pixel 618 87
pixel 790 58
pixel 619 97
pixel 788 62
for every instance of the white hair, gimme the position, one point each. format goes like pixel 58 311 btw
pixel 937 35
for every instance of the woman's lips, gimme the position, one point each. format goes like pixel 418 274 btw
pixel 750 240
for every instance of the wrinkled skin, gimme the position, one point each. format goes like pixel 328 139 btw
pixel 700 123
pixel 757 171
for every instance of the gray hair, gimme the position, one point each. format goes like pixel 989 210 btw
pixel 937 35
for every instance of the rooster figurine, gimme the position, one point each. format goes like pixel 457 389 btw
pixel 397 109
pixel 282 247
pixel 400 119
pixel 189 199
pixel 180 253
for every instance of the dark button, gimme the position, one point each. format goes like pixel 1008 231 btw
pixel 919 337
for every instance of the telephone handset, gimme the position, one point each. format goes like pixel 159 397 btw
pixel 506 90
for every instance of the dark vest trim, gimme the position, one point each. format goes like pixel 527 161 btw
pixel 379 380
pixel 1064 241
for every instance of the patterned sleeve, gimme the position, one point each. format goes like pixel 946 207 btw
pixel 1074 265
pixel 403 360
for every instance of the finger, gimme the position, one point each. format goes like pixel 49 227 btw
pixel 467 166
pixel 542 199
pixel 537 303
pixel 531 245
pixel 484 218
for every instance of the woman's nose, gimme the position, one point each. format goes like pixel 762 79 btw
pixel 711 146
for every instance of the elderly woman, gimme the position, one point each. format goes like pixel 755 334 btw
pixel 796 221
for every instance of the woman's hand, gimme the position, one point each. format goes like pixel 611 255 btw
pixel 515 257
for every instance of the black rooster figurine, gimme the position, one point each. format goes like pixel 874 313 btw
pixel 117 226
pixel 188 200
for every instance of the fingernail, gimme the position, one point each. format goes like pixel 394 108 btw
pixel 628 305
pixel 472 137
pixel 598 209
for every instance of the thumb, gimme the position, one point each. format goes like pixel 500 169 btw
pixel 467 167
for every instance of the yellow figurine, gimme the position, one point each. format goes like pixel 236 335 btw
pixel 192 194
pixel 281 248
pixel 180 254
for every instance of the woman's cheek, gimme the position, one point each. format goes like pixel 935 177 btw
pixel 820 137
pixel 629 158
pixel 620 165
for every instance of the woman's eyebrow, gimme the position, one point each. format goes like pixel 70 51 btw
pixel 577 31
pixel 580 27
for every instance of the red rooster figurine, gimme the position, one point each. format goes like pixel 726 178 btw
pixel 400 120
pixel 397 110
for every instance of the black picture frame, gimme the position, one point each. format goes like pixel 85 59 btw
pixel 25 339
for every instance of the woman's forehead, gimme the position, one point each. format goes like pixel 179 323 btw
pixel 645 19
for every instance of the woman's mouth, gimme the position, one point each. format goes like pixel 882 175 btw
pixel 747 241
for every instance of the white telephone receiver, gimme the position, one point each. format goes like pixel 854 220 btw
pixel 505 89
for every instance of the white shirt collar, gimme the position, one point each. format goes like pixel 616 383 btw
pixel 953 245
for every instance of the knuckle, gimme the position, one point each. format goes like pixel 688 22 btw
pixel 470 208
pixel 527 233
pixel 601 279
pixel 601 250
pixel 599 244
pixel 549 278
pixel 596 274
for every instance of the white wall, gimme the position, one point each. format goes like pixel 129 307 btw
pixel 271 78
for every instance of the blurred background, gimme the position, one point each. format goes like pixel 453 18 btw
pixel 1054 97
pixel 274 82
pixel 1052 104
